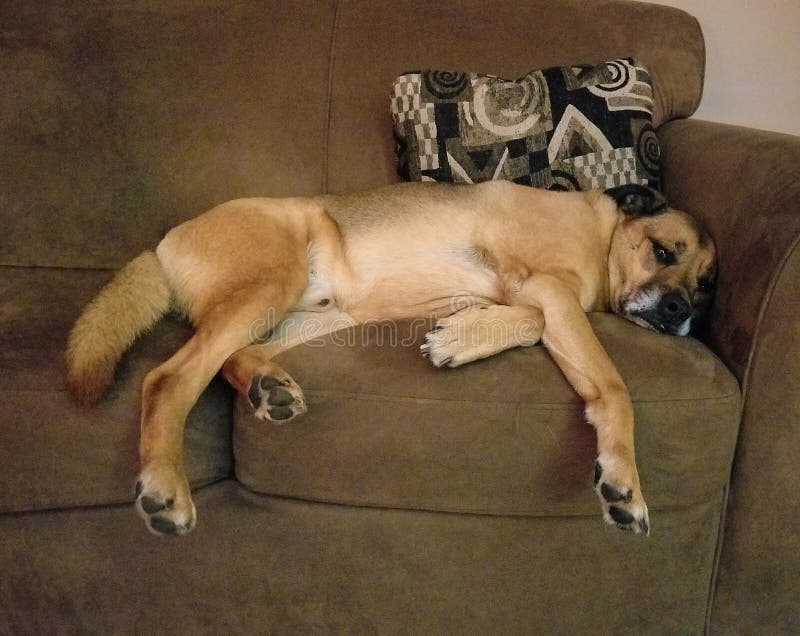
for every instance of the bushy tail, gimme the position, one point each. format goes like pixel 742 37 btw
pixel 135 300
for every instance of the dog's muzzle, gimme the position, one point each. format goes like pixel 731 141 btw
pixel 670 313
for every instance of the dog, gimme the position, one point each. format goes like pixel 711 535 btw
pixel 517 254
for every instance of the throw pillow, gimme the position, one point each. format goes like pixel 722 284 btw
pixel 563 128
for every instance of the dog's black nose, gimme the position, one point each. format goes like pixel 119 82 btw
pixel 674 309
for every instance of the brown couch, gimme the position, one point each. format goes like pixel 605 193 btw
pixel 409 499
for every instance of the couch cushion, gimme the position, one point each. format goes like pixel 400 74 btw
pixel 264 565
pixel 52 452
pixel 504 435
pixel 574 127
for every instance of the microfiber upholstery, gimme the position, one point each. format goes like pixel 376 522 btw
pixel 258 564
pixel 504 435
pixel 120 119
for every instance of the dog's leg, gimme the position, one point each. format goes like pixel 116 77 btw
pixel 272 392
pixel 481 331
pixel 573 345
pixel 169 391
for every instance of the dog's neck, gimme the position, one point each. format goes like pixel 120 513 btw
pixel 610 220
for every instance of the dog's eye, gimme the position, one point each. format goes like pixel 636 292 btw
pixel 662 254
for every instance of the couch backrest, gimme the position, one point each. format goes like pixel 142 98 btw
pixel 120 119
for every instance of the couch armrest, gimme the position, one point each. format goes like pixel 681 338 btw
pixel 745 186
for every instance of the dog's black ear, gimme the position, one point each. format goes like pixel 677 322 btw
pixel 634 199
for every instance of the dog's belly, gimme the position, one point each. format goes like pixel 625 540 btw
pixel 386 284
pixel 420 283
pixel 418 294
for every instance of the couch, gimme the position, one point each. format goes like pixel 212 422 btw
pixel 409 499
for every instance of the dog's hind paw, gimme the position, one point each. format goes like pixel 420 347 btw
pixel 164 501
pixel 621 498
pixel 276 399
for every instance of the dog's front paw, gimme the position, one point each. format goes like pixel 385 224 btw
pixel 276 399
pixel 442 345
pixel 457 340
pixel 479 332
pixel 617 484
pixel 164 500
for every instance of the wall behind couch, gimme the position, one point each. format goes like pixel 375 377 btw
pixel 752 61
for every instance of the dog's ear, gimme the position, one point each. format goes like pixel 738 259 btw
pixel 634 199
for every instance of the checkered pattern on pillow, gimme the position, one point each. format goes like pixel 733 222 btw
pixel 563 128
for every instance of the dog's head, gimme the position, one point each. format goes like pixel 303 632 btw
pixel 662 263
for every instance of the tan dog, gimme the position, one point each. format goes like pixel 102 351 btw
pixel 518 255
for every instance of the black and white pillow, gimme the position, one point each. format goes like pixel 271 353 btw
pixel 563 128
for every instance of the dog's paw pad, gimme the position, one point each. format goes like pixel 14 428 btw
pixel 163 525
pixel 620 516
pixel 270 382
pixel 280 397
pixel 612 493
pixel 173 514
pixel 276 399
pixel 280 413
pixel 623 506
pixel 152 506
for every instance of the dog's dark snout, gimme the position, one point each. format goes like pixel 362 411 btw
pixel 674 309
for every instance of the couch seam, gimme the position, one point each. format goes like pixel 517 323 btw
pixel 195 485
pixel 710 500
pixel 329 108
pixel 549 405
pixel 712 583
pixel 762 311
pixel 328 502
pixel 390 398
pixel 403 398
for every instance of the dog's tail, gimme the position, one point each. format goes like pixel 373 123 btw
pixel 135 300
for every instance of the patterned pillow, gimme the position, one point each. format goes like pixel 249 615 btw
pixel 562 128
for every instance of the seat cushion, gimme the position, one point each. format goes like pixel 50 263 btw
pixel 263 565
pixel 56 454
pixel 504 435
